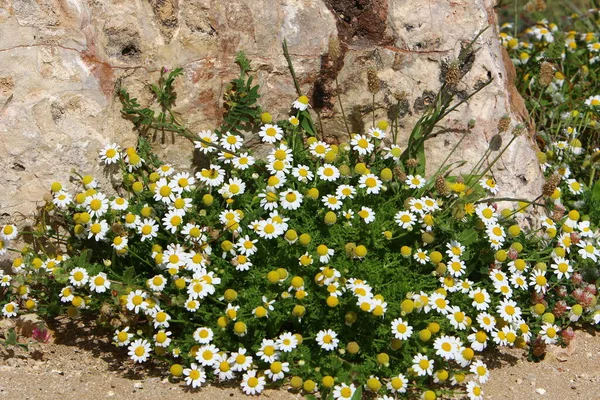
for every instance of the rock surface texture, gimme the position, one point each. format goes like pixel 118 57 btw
pixel 60 61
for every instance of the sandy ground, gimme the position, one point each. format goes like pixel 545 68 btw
pixel 82 364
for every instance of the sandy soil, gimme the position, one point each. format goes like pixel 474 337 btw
pixel 82 364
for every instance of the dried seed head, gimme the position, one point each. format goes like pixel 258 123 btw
pixel 453 74
pixel 412 162
pixel 373 80
pixel 530 6
pixel 335 48
pixel 441 186
pixel 519 129
pixel 400 175
pixel 550 185
pixel 117 228
pixel 399 96
pixel 546 73
pixel 558 213
pixel 504 123
pixel 540 5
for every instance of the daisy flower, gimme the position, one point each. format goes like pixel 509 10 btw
pixel 98 230
pixel 135 301
pixel 481 299
pixel 231 142
pixel 593 101
pixel 207 355
pixel 239 361
pixel 480 371
pixel 332 202
pixel 371 183
pixel 213 177
pixel 78 277
pixel 182 182
pixel 287 342
pixel 474 391
pixel 277 370
pixel 301 103
pixel 415 181
pixel 161 319
pixel 421 256
pixel 99 283
pixel 110 154
pixel 66 294
pixel 194 376
pixel 457 318
pixel 487 321
pixel 164 192
pixel 417 206
pixel 401 330
pixel 562 268
pixel 343 391
pixel 192 305
pixel 456 267
pixel 319 149
pixel 394 152
pixel 376 133
pixel 294 121
pixel 508 310
pixel 157 283
pixel 251 384
pixel 367 214
pixel 398 384
pixel 270 133
pixel 539 281
pixel 405 219
pixel 327 339
pixel 361 144
pixel 439 303
pixel 269 229
pixel 165 170
pixel 325 253
pixel 588 251
pixel 574 186
pixel 268 350
pixel 246 246
pixel 122 337
pixel 279 167
pixel 489 184
pixel 422 365
pixel 96 205
pixel 478 340
pixel 549 333
pixel 302 173
pixel 207 138
pixel 139 350
pixel 486 213
pixel 234 187
pixel 119 204
pixel 290 199
pixel 328 173
pixel 10 309
pixel 243 161
pixel 172 220
pixel 222 368
pixel 345 192
pixel 162 338
pixel 447 347
pixel 62 199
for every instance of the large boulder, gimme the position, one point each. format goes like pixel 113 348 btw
pixel 60 61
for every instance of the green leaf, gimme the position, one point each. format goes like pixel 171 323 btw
pixel 129 275
pixel 467 237
pixel 358 394
pixel 596 191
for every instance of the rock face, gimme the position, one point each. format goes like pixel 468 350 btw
pixel 60 61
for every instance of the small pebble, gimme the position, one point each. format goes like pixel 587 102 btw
pixel 540 391
pixel 110 393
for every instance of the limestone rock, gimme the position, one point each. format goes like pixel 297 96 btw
pixel 61 60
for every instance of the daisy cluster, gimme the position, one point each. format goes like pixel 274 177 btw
pixel 330 267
